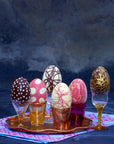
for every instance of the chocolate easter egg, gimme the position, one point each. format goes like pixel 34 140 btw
pixel 78 91
pixel 100 80
pixel 61 96
pixel 20 90
pixel 38 91
pixel 51 77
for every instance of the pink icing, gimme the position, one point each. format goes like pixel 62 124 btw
pixel 78 91
pixel 58 96
pixel 38 91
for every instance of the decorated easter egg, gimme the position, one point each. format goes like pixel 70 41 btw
pixel 61 96
pixel 51 77
pixel 20 91
pixel 78 91
pixel 38 91
pixel 100 80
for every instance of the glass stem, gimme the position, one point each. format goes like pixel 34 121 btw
pixel 99 111
pixel 20 117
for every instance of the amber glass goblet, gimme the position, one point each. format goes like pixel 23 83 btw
pixel 99 101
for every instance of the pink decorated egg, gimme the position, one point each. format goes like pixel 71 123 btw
pixel 38 91
pixel 61 96
pixel 78 91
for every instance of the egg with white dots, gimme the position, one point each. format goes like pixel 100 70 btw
pixel 20 93
pixel 38 91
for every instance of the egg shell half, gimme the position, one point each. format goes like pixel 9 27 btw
pixel 51 77
pixel 78 91
pixel 61 96
pixel 38 91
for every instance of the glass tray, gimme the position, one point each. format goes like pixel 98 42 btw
pixel 48 128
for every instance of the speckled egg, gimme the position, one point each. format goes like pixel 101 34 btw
pixel 61 96
pixel 38 91
pixel 100 80
pixel 51 77
pixel 78 91
pixel 20 91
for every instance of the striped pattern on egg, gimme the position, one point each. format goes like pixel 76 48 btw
pixel 20 91
pixel 38 91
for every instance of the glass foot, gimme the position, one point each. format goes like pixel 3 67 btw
pixel 20 125
pixel 97 127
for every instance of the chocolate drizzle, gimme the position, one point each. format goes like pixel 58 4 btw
pixel 52 77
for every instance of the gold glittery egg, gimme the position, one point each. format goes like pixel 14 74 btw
pixel 100 80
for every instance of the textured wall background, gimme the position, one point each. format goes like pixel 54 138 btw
pixel 75 35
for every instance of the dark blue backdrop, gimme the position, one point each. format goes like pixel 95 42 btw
pixel 76 36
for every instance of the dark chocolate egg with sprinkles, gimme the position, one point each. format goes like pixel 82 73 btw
pixel 20 91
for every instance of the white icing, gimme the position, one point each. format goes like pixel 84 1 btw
pixel 42 90
pixel 33 90
pixel 38 81
pixel 33 99
pixel 41 100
